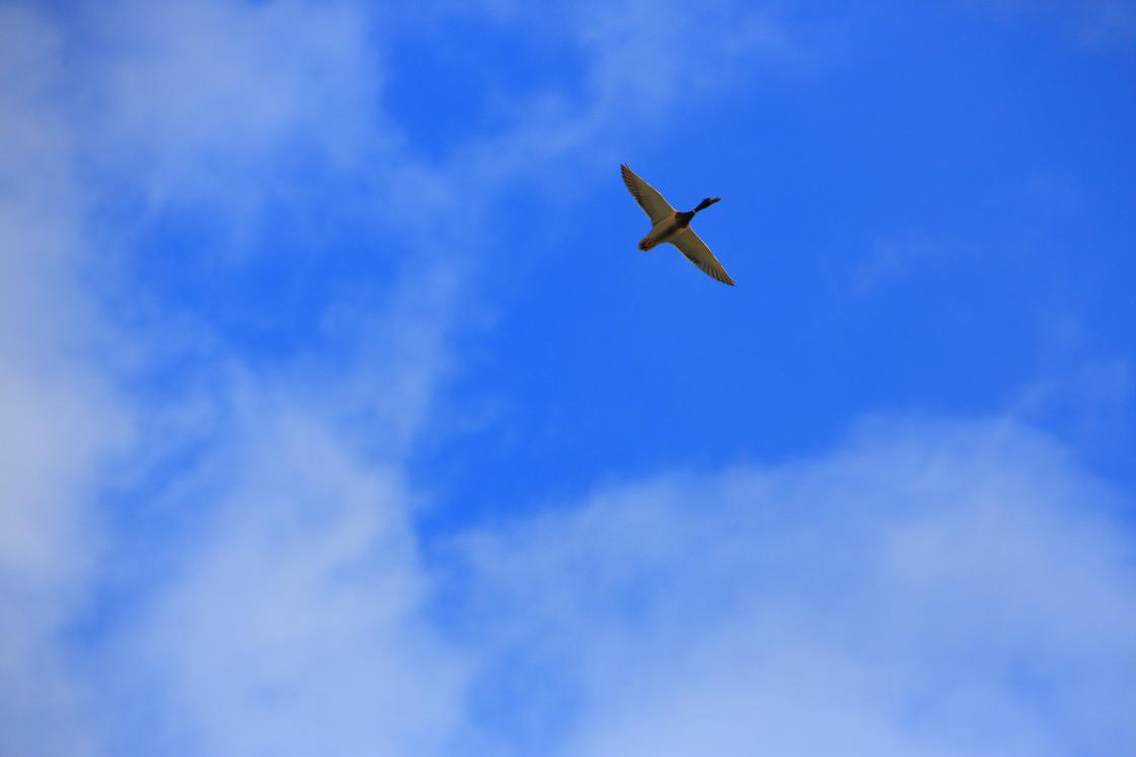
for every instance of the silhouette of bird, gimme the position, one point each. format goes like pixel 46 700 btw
pixel 670 225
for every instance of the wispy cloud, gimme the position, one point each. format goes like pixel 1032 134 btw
pixel 641 63
pixel 225 104
pixel 896 258
pixel 63 419
pixel 295 621
pixel 927 588
pixel 1105 25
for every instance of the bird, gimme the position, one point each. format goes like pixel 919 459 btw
pixel 670 225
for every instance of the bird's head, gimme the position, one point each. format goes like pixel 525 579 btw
pixel 707 203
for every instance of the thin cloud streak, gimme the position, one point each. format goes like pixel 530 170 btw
pixel 64 419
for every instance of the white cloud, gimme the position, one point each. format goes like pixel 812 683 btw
pixel 295 622
pixel 223 103
pixel 62 419
pixel 641 63
pixel 925 589
pixel 194 120
pixel 215 105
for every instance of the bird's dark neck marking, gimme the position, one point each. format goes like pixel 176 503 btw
pixel 707 203
pixel 683 217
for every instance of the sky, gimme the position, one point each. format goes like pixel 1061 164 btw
pixel 343 416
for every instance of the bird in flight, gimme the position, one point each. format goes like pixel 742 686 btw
pixel 670 225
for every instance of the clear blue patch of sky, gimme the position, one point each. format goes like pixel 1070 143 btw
pixel 459 76
pixel 994 161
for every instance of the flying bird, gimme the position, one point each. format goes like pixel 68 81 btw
pixel 670 225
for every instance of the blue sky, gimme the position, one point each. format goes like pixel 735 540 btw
pixel 344 417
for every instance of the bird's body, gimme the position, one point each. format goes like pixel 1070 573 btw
pixel 670 225
pixel 663 231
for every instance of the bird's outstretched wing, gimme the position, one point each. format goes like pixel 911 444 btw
pixel 647 196
pixel 696 250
